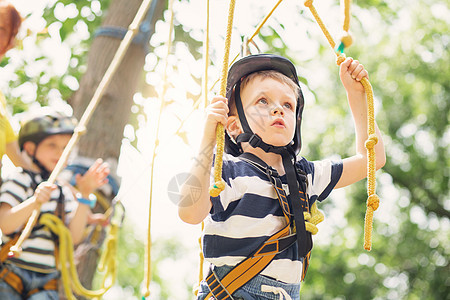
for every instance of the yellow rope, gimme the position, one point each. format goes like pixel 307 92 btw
pixel 147 263
pixel 16 249
pixel 219 184
pixel 258 28
pixel 205 97
pixel 346 38
pixel 206 58
pixel 69 275
pixel 197 102
pixel 346 25
pixel 372 200
pixel 202 260
pixel 313 218
pixel 309 4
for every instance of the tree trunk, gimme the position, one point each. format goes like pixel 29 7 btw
pixel 105 129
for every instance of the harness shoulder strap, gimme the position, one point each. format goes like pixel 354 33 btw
pixel 297 209
pixel 264 254
pixel 5 248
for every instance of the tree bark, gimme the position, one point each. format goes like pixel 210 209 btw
pixel 105 129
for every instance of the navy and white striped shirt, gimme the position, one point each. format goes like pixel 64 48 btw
pixel 38 249
pixel 247 213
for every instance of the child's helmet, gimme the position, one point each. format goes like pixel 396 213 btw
pixel 50 123
pixel 246 66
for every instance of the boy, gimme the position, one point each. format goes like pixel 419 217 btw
pixel 33 275
pixel 262 116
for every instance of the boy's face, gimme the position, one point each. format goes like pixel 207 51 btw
pixel 50 149
pixel 270 109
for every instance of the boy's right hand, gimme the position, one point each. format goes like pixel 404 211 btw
pixel 216 112
pixel 43 192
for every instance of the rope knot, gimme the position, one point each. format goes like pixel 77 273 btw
pixel 347 39
pixel 340 59
pixel 312 219
pixel 216 188
pixel 371 141
pixel 80 129
pixel 308 3
pixel 373 202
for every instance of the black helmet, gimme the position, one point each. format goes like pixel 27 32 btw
pixel 255 63
pixel 49 123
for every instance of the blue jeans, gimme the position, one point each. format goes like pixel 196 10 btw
pixel 30 280
pixel 252 289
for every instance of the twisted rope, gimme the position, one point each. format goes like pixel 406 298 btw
pixel 69 275
pixel 372 200
pixel 219 184
pixel 148 258
pixel 313 218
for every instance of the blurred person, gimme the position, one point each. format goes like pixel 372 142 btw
pixel 10 22
pixel 34 274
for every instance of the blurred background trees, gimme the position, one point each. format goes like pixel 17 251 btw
pixel 405 47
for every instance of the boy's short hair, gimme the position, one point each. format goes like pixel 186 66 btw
pixel 263 74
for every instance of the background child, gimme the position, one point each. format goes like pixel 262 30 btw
pixel 34 273
pixel 10 22
pixel 262 120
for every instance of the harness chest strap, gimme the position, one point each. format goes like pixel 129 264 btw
pixel 251 266
pixel 260 259
pixel 16 283
pixel 13 279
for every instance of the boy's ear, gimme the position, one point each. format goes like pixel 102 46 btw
pixel 234 126
pixel 29 148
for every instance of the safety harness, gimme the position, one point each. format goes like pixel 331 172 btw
pixel 12 278
pixel 255 263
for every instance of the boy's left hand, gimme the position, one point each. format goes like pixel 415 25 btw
pixel 351 73
pixel 94 178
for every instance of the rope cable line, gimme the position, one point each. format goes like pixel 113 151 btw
pixel 219 184
pixel 372 200
pixel 147 263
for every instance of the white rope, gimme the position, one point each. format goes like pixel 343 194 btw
pixel 276 290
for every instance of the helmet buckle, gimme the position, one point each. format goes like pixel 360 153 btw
pixel 255 141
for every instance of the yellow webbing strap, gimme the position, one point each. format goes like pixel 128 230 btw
pixel 67 267
pixel 243 272
pixel 219 184
pixel 372 200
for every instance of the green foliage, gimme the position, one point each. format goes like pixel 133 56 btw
pixel 408 68
pixel 130 261
pixel 87 14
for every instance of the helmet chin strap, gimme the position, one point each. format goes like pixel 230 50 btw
pixel 252 138
pixel 45 174
pixel 304 239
